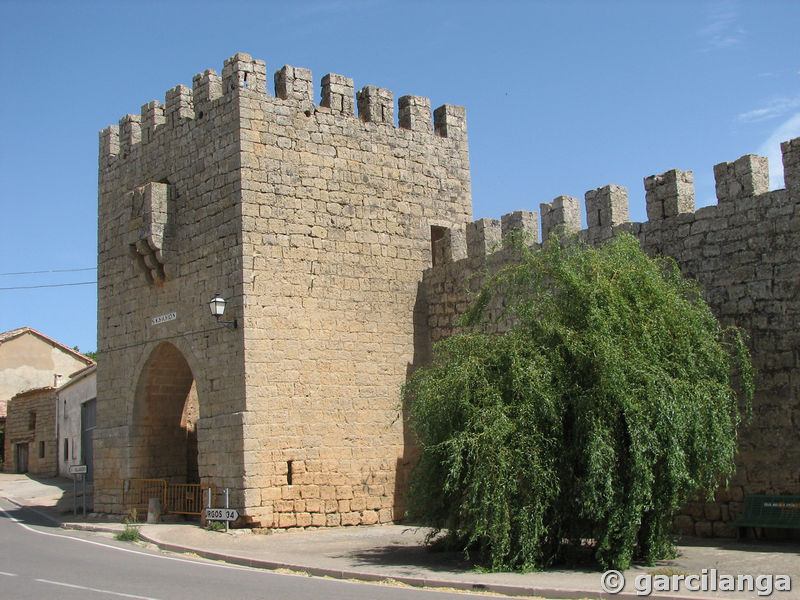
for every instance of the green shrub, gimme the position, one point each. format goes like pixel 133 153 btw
pixel 131 531
pixel 215 525
pixel 129 534
pixel 595 417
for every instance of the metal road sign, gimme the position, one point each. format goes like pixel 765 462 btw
pixel 222 514
pixel 77 469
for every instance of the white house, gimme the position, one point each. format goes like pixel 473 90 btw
pixel 75 421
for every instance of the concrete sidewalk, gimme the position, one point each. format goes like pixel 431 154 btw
pixel 396 552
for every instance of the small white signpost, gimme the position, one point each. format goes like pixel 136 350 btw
pixel 222 514
pixel 80 471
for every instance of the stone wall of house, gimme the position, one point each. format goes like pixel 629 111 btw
pixel 31 422
pixel 315 223
pixel 742 251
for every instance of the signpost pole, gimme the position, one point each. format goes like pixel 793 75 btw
pixel 227 523
pixel 80 471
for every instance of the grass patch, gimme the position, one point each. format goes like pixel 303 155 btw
pixel 129 534
pixel 215 525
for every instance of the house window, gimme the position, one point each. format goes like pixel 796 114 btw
pixel 41 449
pixel 66 449
pixel 32 420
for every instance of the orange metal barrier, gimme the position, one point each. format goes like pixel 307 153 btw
pixel 136 494
pixel 188 498
pixel 176 498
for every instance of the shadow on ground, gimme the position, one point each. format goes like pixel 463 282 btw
pixel 414 556
pixel 748 544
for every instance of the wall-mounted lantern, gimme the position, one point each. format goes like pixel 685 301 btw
pixel 217 306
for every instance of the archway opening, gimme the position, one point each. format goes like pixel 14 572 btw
pixel 164 432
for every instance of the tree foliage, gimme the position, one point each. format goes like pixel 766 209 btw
pixel 593 418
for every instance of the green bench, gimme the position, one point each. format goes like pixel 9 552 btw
pixel 781 512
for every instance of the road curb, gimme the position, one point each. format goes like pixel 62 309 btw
pixel 362 576
pixel 44 515
pixel 417 582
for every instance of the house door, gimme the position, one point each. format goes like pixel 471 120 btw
pixel 88 424
pixel 22 458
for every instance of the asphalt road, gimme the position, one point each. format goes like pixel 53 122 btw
pixel 39 561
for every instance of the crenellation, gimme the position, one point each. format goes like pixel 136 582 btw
pixel 337 94
pixel 790 151
pixel 294 83
pixel 109 141
pixel 483 237
pixel 375 105
pixel 451 247
pixel 669 194
pixel 153 117
pixel 520 221
pixel 746 177
pixel 606 206
pixel 415 113
pixel 242 72
pixel 179 105
pixel 563 212
pixel 206 87
pixel 130 132
pixel 451 122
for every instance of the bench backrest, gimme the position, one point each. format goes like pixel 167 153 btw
pixel 781 510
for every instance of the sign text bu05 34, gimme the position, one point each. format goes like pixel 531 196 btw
pixel 222 514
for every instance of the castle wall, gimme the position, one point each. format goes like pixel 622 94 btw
pixel 315 223
pixel 338 210
pixel 169 238
pixel 742 251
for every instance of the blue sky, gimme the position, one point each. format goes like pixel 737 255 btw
pixel 561 97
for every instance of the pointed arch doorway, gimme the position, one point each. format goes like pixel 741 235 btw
pixel 164 426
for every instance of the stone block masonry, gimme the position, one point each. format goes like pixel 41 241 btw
pixel 742 251
pixel 30 433
pixel 344 245
pixel 315 223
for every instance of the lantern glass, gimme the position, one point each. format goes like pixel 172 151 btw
pixel 217 305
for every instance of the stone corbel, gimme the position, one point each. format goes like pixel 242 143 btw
pixel 149 204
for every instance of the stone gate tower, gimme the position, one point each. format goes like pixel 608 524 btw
pixel 315 224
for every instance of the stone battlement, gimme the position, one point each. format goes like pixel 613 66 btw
pixel 293 86
pixel 667 195
pixel 341 236
pixel 314 222
pixel 742 251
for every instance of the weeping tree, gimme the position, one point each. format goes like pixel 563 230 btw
pixel 605 405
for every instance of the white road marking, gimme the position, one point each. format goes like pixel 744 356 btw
pixel 91 589
pixel 128 550
pixel 147 554
pixel 8 574
pixel 192 562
